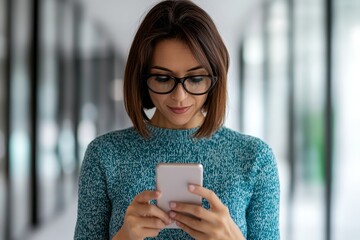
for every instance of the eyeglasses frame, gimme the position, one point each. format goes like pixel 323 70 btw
pixel 180 80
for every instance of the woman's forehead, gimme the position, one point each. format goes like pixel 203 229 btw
pixel 174 55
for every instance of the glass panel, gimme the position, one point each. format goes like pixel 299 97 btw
pixel 277 115
pixel 48 162
pixel 346 62
pixel 66 91
pixel 19 132
pixel 253 75
pixel 87 129
pixel 121 119
pixel 309 202
pixel 2 115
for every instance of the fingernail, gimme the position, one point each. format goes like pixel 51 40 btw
pixel 172 205
pixel 172 214
pixel 191 188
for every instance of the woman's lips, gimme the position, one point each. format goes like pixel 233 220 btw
pixel 179 110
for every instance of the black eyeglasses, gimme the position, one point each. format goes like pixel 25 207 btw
pixel 195 85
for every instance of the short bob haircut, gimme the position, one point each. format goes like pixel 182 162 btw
pixel 183 20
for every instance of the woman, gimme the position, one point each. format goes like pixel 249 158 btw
pixel 178 65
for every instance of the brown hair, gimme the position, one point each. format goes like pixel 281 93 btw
pixel 183 20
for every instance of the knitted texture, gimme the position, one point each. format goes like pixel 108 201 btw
pixel 240 169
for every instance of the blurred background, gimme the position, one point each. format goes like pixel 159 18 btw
pixel 294 81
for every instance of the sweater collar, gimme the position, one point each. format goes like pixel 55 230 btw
pixel 169 132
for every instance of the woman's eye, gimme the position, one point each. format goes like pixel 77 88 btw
pixel 196 79
pixel 162 78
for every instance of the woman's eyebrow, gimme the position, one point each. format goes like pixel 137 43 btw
pixel 161 68
pixel 195 68
pixel 170 71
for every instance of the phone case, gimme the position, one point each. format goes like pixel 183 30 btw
pixel 173 179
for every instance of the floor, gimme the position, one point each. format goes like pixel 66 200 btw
pixel 59 229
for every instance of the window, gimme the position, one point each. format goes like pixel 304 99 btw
pixel 346 85
pixel 3 93
pixel 19 141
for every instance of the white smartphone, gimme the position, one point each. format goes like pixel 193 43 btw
pixel 173 179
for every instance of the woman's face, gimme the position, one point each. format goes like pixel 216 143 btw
pixel 178 109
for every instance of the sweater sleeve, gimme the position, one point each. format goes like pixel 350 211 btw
pixel 94 208
pixel 263 210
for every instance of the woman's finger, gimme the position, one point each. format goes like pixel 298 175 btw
pixel 209 195
pixel 141 228
pixel 146 196
pixel 192 232
pixel 151 223
pixel 195 223
pixel 148 210
pixel 194 210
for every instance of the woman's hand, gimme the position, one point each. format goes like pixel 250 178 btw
pixel 143 219
pixel 215 223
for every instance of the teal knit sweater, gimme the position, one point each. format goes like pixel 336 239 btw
pixel 240 169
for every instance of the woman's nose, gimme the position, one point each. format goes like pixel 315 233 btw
pixel 179 93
